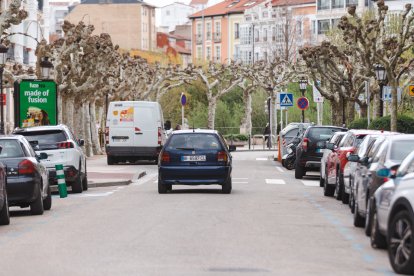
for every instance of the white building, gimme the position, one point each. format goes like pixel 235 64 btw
pixel 174 14
pixel 58 11
pixel 203 4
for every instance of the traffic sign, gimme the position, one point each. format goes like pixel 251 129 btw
pixel 317 96
pixel 411 90
pixel 303 103
pixel 387 93
pixel 286 99
pixel 183 99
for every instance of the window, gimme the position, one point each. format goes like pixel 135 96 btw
pixel 195 141
pixel 351 3
pixel 256 35
pixel 167 12
pixel 218 53
pixel 11 149
pixel 236 52
pixel 299 28
pixel 265 56
pixel 274 34
pixel 199 52
pixel 217 27
pixel 45 139
pixel 335 22
pixel 236 30
pixel 313 26
pixel 265 35
pixel 144 11
pixel 265 14
pixel 208 52
pixel 324 4
pixel 208 27
pixel 323 26
pixel 401 149
pixel 199 29
pixel 337 4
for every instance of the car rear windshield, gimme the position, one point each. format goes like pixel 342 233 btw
pixel 45 140
pixel 10 149
pixel 194 141
pixel 401 149
pixel 321 134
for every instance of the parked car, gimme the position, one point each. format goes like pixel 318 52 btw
pixel 335 139
pixel 308 154
pixel 397 182
pixel 27 177
pixel 4 205
pixel 337 160
pixel 134 131
pixel 61 147
pixel 195 157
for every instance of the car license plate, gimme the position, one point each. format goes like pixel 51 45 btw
pixel 120 140
pixel 193 158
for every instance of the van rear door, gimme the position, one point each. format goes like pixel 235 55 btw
pixel 121 124
pixel 146 125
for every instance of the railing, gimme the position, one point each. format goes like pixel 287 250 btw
pixel 217 37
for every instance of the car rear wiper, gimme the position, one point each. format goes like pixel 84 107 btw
pixel 185 148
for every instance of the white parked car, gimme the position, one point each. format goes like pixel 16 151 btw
pixel 61 147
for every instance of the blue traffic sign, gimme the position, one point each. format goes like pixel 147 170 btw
pixel 183 99
pixel 286 99
pixel 303 103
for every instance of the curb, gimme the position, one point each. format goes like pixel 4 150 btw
pixel 116 183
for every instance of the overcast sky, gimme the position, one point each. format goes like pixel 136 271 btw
pixel 161 3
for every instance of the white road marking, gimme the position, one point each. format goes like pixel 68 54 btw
pixel 240 178
pixel 145 179
pixel 310 183
pixel 96 194
pixel 275 181
pixel 280 169
pixel 261 159
pixel 239 182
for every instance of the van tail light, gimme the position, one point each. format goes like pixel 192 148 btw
pixel 165 157
pixel 107 135
pixel 305 144
pixel 159 136
pixel 222 156
pixel 65 145
pixel 26 167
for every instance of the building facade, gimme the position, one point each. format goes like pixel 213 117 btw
pixel 175 45
pixel 174 14
pixel 131 23
pixel 57 12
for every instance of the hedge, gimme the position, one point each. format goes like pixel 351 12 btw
pixel 236 137
pixel 405 124
pixel 359 124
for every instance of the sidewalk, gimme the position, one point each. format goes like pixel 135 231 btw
pixel 102 175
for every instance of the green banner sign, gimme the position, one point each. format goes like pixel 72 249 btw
pixel 36 103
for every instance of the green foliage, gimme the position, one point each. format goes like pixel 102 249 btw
pixel 259 117
pixel 405 124
pixel 197 117
pixel 236 137
pixel 228 117
pixel 359 124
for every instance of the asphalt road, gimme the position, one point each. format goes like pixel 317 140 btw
pixel 271 224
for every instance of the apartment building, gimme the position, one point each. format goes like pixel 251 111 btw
pixel 276 28
pixel 216 30
pixel 131 23
pixel 174 14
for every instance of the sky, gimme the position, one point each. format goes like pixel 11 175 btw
pixel 161 3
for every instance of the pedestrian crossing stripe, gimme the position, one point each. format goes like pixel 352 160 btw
pixel 275 181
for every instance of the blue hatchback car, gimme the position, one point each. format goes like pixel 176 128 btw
pixel 195 157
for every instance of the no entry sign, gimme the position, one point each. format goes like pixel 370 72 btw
pixel 303 103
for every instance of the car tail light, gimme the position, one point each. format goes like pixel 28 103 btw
pixel 26 167
pixel 107 135
pixel 305 144
pixel 159 136
pixel 165 157
pixel 65 145
pixel 222 156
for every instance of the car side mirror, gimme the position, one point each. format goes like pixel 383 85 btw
pixel 81 142
pixel 330 146
pixel 353 158
pixel 384 172
pixel 43 155
pixel 232 148
pixel 364 161
pixel 321 144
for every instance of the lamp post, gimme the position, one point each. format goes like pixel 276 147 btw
pixel 303 83
pixel 381 76
pixel 45 67
pixel 3 58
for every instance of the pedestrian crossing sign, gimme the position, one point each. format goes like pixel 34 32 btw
pixel 286 99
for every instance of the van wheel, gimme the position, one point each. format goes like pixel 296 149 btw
pixel 110 160
pixel 4 213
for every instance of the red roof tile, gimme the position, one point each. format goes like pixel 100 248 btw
pixel 276 3
pixel 227 7
pixel 198 2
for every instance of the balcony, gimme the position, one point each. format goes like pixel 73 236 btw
pixel 236 35
pixel 199 39
pixel 217 37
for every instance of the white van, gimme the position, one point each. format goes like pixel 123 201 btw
pixel 134 131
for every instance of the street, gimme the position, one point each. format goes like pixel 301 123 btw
pixel 271 224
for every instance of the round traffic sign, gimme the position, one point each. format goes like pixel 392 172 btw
pixel 303 103
pixel 183 99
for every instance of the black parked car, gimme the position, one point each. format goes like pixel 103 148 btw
pixel 27 177
pixel 4 205
pixel 308 154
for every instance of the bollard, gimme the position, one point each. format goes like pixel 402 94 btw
pixel 60 175
pixel 279 154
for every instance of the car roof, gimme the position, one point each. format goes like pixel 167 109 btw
pixel 16 137
pixel 196 130
pixel 365 131
pixel 41 128
pixel 400 137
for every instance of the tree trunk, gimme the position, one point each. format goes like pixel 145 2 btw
pixel 394 106
pixel 94 130
pixel 212 104
pixel 364 110
pixel 102 123
pixel 336 115
pixel 376 106
pixel 70 113
pixel 248 111
pixel 60 109
pixel 87 129
pixel 350 112
pixel 78 121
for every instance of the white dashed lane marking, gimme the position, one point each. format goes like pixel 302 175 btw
pixel 310 183
pixel 280 169
pixel 261 159
pixel 275 181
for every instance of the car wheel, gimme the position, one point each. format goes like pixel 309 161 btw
pixel 368 219
pixel 85 180
pixel 377 239
pixel 47 202
pixel 351 197
pixel 162 188
pixel 110 160
pixel 359 220
pixel 401 243
pixel 345 196
pixel 328 190
pixel 226 187
pixel 4 213
pixel 338 189
pixel 36 207
pixel 321 180
pixel 299 171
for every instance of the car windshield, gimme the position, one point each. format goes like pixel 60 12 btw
pixel 45 139
pixel 10 149
pixel 401 149
pixel 193 141
pixel 320 134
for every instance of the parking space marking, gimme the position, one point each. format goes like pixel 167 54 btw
pixel 310 183
pixel 275 181
pixel 261 159
pixel 240 178
pixel 280 169
pixel 240 182
pixel 96 194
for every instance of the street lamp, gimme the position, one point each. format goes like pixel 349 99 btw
pixel 3 59
pixel 303 83
pixel 45 67
pixel 381 76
